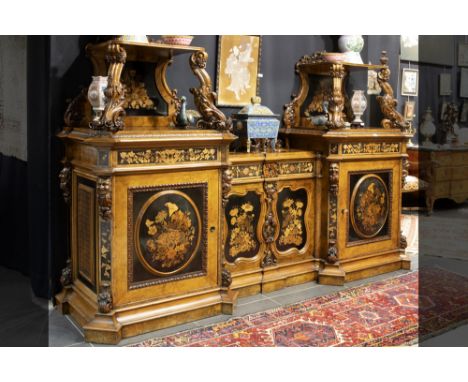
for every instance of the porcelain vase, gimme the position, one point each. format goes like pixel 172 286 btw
pixel 358 105
pixel 427 127
pixel 96 95
pixel 351 46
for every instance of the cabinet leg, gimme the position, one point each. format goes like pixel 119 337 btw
pixel 429 206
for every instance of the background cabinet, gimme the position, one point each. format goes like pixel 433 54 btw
pixel 445 170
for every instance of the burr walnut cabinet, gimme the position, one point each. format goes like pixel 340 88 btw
pixel 145 200
pixel 444 169
pixel 363 171
pixel 169 226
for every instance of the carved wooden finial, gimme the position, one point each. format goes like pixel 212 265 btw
pixel 384 57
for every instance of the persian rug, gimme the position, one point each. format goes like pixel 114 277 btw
pixel 383 313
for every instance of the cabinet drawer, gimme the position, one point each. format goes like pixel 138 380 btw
pixel 442 173
pixel 459 173
pixel 459 187
pixel 441 188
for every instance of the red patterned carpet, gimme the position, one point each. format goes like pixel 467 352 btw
pixel 383 313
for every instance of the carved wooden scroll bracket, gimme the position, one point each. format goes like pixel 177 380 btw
pixel 112 117
pixel 388 104
pixel 336 103
pixel 205 98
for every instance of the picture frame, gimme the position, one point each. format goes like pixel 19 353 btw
pixel 373 86
pixel 409 110
pixel 409 82
pixel 445 84
pixel 238 67
pixel 463 54
pixel 409 48
pixel 464 83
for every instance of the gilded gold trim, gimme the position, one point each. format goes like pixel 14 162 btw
pixel 370 148
pixel 167 156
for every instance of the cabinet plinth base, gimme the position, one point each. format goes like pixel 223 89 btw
pixel 139 318
pixel 285 275
pixel 361 268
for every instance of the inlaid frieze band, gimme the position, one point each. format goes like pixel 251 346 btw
pixel 167 156
pixel 272 170
pixel 370 148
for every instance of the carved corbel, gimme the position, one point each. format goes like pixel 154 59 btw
pixel 336 103
pixel 105 298
pixel 66 276
pixel 333 174
pixel 388 104
pixel 226 279
pixel 405 171
pixel 112 117
pixel 403 241
pixel 205 98
pixel 289 114
pixel 226 185
pixel 104 196
pixel 65 182
pixel 269 225
pixel 76 110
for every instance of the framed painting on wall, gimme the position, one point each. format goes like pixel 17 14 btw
pixel 409 82
pixel 238 68
pixel 464 83
pixel 409 47
pixel 445 84
pixel 409 110
pixel 462 54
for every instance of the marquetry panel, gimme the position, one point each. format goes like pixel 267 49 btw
pixel 290 209
pixel 167 233
pixel 242 214
pixel 370 206
pixel 85 232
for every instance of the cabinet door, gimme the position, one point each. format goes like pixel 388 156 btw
pixel 166 234
pixel 244 219
pixel 295 217
pixel 368 207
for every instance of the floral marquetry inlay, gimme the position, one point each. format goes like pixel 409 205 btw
pixel 369 206
pixel 247 171
pixel 296 168
pixel 243 231
pixel 168 156
pixel 291 227
pixel 370 148
pixel 168 232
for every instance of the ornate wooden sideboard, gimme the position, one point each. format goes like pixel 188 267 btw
pixel 169 226
pixel 363 170
pixel 444 169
